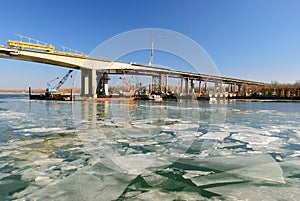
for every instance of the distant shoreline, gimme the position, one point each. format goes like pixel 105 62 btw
pixel 22 91
pixel 13 91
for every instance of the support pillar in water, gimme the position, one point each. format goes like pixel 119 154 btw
pixel 88 83
pixel 160 77
pixel 192 87
pixel 102 88
pixel 181 85
pixel 187 86
pixel 199 87
pixel 166 84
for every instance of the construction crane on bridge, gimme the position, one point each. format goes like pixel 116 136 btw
pixel 26 42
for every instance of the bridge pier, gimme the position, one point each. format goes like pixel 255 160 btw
pixel 181 85
pixel 239 88
pixel 216 86
pixel 102 88
pixel 233 88
pixel 88 83
pixel 160 83
pixel 166 84
pixel 200 87
pixel 192 86
pixel 186 91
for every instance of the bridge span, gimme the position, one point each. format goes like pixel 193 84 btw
pixel 93 68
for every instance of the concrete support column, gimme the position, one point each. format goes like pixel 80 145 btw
pixel 88 83
pixel 160 82
pixel 187 86
pixel 166 83
pixel 216 86
pixel 239 87
pixel 84 83
pixel 181 85
pixel 192 87
pixel 153 84
pixel 93 84
pixel 199 87
pixel 234 88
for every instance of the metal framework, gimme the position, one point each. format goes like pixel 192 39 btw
pixel 28 43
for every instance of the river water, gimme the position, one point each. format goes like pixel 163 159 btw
pixel 185 150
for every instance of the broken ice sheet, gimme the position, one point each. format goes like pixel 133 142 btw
pixel 154 179
pixel 138 163
pixel 166 196
pixel 95 182
pixel 195 173
pixel 249 191
pixel 254 168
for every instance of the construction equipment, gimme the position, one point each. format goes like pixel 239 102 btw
pixel 30 43
pixel 60 83
pixel 27 43
pixel 52 91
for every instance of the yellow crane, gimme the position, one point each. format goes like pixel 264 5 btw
pixel 28 43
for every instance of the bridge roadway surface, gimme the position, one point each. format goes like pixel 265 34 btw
pixel 91 67
pixel 112 67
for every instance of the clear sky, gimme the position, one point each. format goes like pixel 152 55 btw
pixel 250 39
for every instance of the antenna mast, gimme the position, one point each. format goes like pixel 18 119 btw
pixel 152 51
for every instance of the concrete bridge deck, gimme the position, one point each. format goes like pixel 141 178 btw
pixel 92 67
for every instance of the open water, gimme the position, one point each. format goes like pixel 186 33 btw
pixel 143 150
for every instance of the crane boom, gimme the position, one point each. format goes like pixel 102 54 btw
pixel 59 84
pixel 63 80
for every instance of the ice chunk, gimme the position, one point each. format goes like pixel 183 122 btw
pixel 138 163
pixel 214 135
pixel 41 130
pixel 195 173
pixel 267 171
pixel 43 180
pixel 256 168
pixel 95 182
pixel 257 192
pixel 181 126
pixel 168 196
pixel 215 179
pixel 154 179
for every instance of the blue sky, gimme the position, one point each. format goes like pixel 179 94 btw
pixel 250 39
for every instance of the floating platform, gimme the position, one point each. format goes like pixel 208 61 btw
pixel 106 99
pixel 203 98
pixel 53 96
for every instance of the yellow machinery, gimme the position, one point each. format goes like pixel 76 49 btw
pixel 30 43
pixel 33 44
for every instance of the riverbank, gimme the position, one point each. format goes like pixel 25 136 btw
pixel 21 91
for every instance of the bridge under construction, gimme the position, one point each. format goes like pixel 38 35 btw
pixel 95 70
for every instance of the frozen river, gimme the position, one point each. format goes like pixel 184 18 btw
pixel 185 150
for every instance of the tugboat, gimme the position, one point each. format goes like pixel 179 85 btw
pixel 203 98
pixel 156 97
pixel 141 94
pixel 169 96
pixel 52 92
